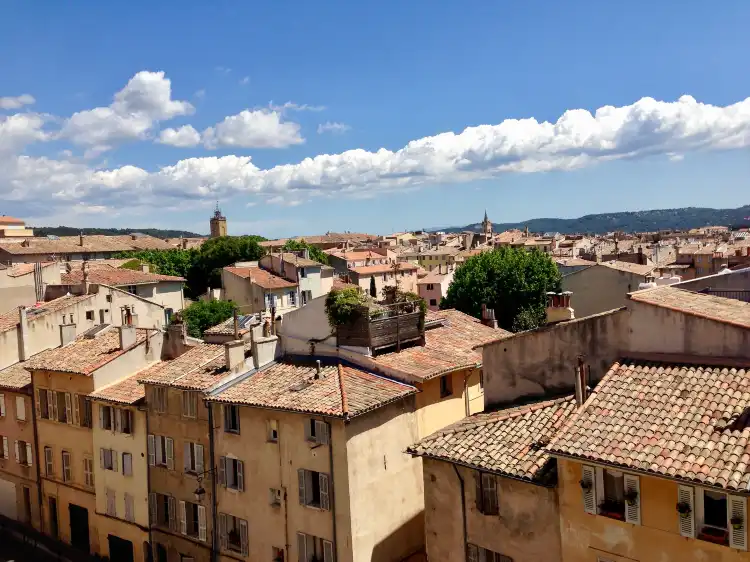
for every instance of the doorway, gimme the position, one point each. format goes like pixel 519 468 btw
pixel 54 523
pixel 120 550
pixel 79 527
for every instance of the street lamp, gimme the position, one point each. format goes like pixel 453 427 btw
pixel 200 491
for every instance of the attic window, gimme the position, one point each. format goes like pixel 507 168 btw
pixel 89 315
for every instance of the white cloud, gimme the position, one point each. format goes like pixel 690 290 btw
pixel 200 94
pixel 333 127
pixel 16 102
pixel 223 70
pixel 245 81
pixel 253 129
pixel 21 129
pixel 291 106
pixel 185 136
pixel 143 102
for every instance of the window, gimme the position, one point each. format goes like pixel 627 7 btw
pixel 88 472
pixel 189 519
pixel 129 508
pixel 24 454
pixel 486 493
pixel 273 431
pixel 275 496
pixel 20 408
pixel 714 509
pixel 193 458
pixel 105 417
pixel 233 534
pixel 479 554
pixel 613 497
pixel 162 510
pixel 2 405
pixel 277 554
pixel 108 459
pixel 132 289
pixel 611 493
pixel 231 419
pixel 90 315
pixel 317 432
pixel 314 549
pixel 49 464
pixel 160 553
pixel 67 472
pixel 189 404
pixel 26 504
pixel 302 272
pixel 4 452
pixel 124 421
pixel 313 489
pixel 159 394
pixel 43 404
pixel 232 473
pixel 63 407
pixel 127 464
pixel 161 451
pixel 433 302
pixel 446 386
pixel 84 411
pixel 292 298
pixel 430 287
pixel 168 312
pixel 111 502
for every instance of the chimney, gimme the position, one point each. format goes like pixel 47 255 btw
pixel 234 355
pixel 38 282
pixel 175 341
pixel 184 243
pixel 145 268
pixel 127 336
pixel 558 307
pixel 80 238
pixel 317 369
pixel 67 334
pixel 581 381
pixel 265 349
pixel 488 317
pixel 306 253
pixel 23 336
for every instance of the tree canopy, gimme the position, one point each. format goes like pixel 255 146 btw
pixel 201 315
pixel 512 281
pixel 316 254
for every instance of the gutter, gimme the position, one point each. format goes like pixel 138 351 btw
pixel 40 499
pixel 463 511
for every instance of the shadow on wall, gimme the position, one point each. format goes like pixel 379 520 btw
pixel 387 550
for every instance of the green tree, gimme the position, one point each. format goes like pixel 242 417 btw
pixel 512 281
pixel 316 254
pixel 205 271
pixel 201 315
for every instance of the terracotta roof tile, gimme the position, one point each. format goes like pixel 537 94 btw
pixel 116 277
pixel 382 268
pixel 125 391
pixel 261 277
pixel 9 319
pixel 329 238
pixel 681 421
pixel 197 369
pixel 289 385
pixel 289 257
pixel 91 243
pixel 245 322
pixel 447 348
pixel 21 269
pixel 509 442
pixel 627 267
pixel 15 377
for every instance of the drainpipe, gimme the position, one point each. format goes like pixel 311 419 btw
pixel 211 457
pixel 40 499
pixel 466 394
pixel 333 495
pixel 148 487
pixel 463 509
pixel 288 544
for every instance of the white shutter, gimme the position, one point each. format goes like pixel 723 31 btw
pixel 170 453
pixel 199 459
pixel 114 459
pixel 202 534
pixel 6 451
pixel 321 432
pixel 685 494
pixel 589 496
pixel 737 507
pixel 53 404
pixel 244 538
pixel 151 451
pixel 76 410
pixel 473 553
pixel 240 475
pixel 18 453
pixel 301 547
pixel 152 507
pixel 325 498
pixel 2 405
pixel 117 414
pixel 301 485
pixel 39 402
pixel 68 409
pixel 223 531
pixel 633 512
pixel 101 417
pixel 29 455
pixel 327 551
pixel 223 471
pixel 183 518
pixel 127 464
pixel 20 408
pixel 172 507
pixel 186 457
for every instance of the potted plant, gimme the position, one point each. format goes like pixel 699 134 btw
pixel 631 497
pixel 684 509
pixel 613 509
pixel 585 485
pixel 736 522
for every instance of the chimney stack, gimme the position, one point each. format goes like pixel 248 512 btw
pixel 234 355
pixel 317 369
pixel 581 381
pixel 80 238
pixel 127 336
pixel 145 268
pixel 488 317
pixel 67 334
pixel 558 307
pixel 175 341
pixel 23 336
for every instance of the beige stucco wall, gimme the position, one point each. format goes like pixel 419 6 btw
pixel 599 288
pixel 407 281
pixel 166 293
pixel 237 289
pixel 526 529
pixel 438 291
pixel 385 485
pixel 435 412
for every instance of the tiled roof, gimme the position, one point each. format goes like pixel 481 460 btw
pixel 720 309
pixel 197 369
pixel 21 269
pixel 112 263
pixel 679 421
pixel 9 319
pixel 261 277
pixel 627 267
pixel 84 355
pixel 509 442
pixel 289 385
pixel 297 260
pixel 15 377
pixel 353 255
pixel 339 284
pixel 5 219
pixel 245 322
pixel 433 277
pixel 447 348
pixel 116 277
pixel 382 268
pixel 328 238
pixel 92 243
pixel 126 391
pixel 573 262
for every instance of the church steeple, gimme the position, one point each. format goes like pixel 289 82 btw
pixel 486 225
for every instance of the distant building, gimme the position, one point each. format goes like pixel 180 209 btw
pixel 14 228
pixel 434 286
pixel 218 224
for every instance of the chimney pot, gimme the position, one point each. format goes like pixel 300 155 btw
pixel 127 336
pixel 67 333
pixel 234 355
pixel 317 369
pixel 23 339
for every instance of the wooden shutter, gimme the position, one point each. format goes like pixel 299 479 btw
pixel 301 547
pixel 325 498
pixel 6 452
pixel 151 451
pixel 52 395
pixel 186 457
pixel 685 494
pixel 478 491
pixel 473 553
pixel 199 459
pixel 127 464
pixel 170 452
pixel 18 453
pixel 321 432
pixel 76 410
pixel 114 460
pixel 588 475
pixel 101 416
pixel 29 455
pixel 202 534
pixel 2 405
pixel 633 512
pixel 240 475
pixel 39 402
pixel 301 485
pixel 101 458
pixel 117 414
pixel 244 538
pixel 223 531
pixel 327 551
pixel 172 508
pixel 68 409
pixel 152 508
pixel 737 507
pixel 489 494
pixel 223 471
pixel 183 518
pixel 308 430
pixel 20 408
pixel 66 466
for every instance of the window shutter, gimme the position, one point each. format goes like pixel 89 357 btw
pixel 588 475
pixel 127 464
pixel 52 395
pixel 301 547
pixel 101 416
pixel 39 402
pixel 186 457
pixel 2 405
pixel 478 491
pixel 473 553
pixel 321 432
pixel 152 508
pixel 68 409
pixel 76 410
pixel 308 430
pixel 223 471
pixel 170 453
pixel 199 459
pixel 737 507
pixel 633 512
pixel 29 455
pixel 151 451
pixel 327 551
pixel 223 531
pixel 301 483
pixel 240 476
pixel 20 408
pixel 685 495
pixel 244 537
pixel 172 508
pixel 489 495
pixel 18 453
pixel 202 534
pixel 118 420
pixel 325 499
pixel 101 458
pixel 114 455
pixel 6 452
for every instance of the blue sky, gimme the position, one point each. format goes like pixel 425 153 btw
pixel 367 76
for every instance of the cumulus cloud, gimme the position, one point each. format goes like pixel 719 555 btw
pixel 16 102
pixel 333 127
pixel 244 81
pixel 183 137
pixel 253 129
pixel 21 129
pixel 143 102
pixel 291 106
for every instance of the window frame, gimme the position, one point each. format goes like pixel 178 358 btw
pixel 446 386
pixel 232 419
pixel 189 404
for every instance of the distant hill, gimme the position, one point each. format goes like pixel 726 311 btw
pixel 72 231
pixel 636 221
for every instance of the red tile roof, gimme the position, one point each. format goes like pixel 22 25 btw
pixel 21 269
pixel 289 385
pixel 125 391
pixel 5 219
pixel 627 267
pixel 382 268
pixel 9 319
pixel 447 348
pixel 197 369
pixel 116 277
pixel 84 355
pixel 91 243
pixel 678 421
pixel 261 277
pixel 15 377
pixel 510 442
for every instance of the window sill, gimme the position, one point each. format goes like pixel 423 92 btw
pixel 714 536
pixel 232 431
pixel 613 515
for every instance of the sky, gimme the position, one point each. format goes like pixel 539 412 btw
pixel 306 117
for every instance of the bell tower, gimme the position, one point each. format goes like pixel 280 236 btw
pixel 487 226
pixel 218 223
